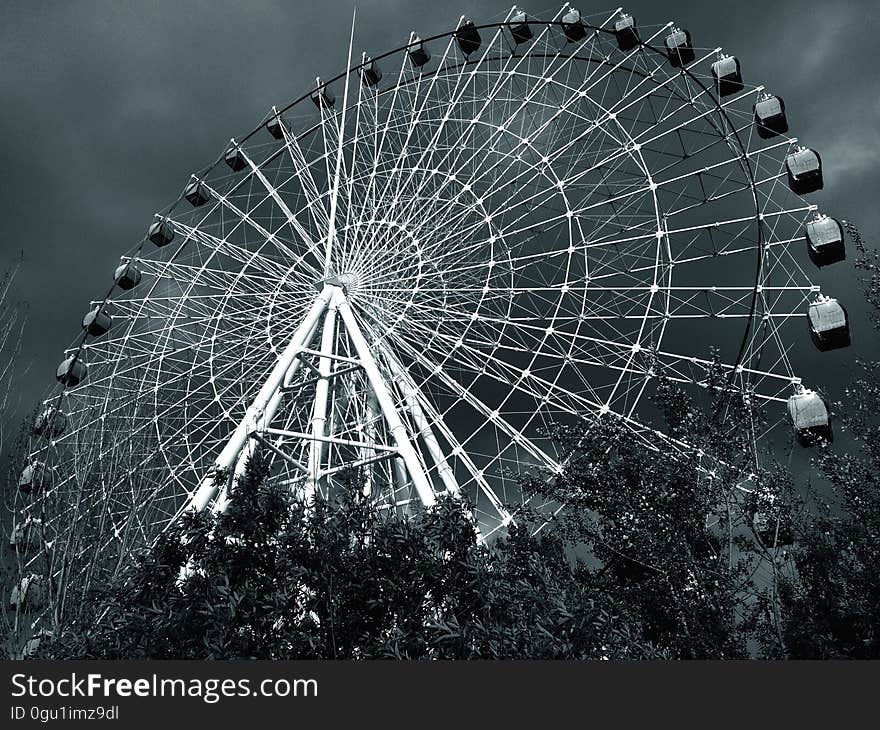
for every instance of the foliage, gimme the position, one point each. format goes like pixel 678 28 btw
pixel 641 516
pixel 344 580
pixel 831 602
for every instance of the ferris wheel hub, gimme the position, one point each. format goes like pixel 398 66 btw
pixel 346 281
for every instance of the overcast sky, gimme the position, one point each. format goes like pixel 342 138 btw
pixel 107 106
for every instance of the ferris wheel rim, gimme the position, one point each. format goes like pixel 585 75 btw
pixel 742 155
pixel 493 25
pixel 684 70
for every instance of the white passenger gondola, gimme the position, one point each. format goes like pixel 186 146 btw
pixel 826 243
pixel 418 52
pixel 127 276
pixel 804 167
pixel 33 478
pixel 468 37
pixel 829 324
pixel 810 417
pixel 50 422
pixel 519 27
pixel 97 322
pixel 626 32
pixel 277 125
pixel 196 192
pixel 234 157
pixel 31 592
pixel 727 75
pixel 371 74
pixel 323 97
pixel 679 48
pixel 573 26
pixel 71 372
pixel 26 535
pixel 161 232
pixel 770 119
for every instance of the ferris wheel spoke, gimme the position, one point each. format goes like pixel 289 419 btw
pixel 494 418
pixel 457 450
pixel 618 357
pixel 310 245
pixel 426 157
pixel 214 278
pixel 309 188
pixel 337 173
pixel 510 68
pixel 568 402
pixel 609 116
pixel 540 81
pixel 528 203
pixel 366 107
pixel 144 353
pixel 169 306
pixel 184 393
pixel 414 119
pixel 370 195
pixel 240 254
pixel 244 217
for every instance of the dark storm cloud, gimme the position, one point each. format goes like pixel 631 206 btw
pixel 109 105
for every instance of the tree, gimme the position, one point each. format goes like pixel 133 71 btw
pixel 656 555
pixel 639 512
pixel 831 601
pixel 13 319
pixel 632 568
pixel 345 580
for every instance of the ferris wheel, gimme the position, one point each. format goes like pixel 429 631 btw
pixel 420 266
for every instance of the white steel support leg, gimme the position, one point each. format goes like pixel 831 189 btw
pixel 422 424
pixel 398 430
pixel 221 503
pixel 412 395
pixel 461 454
pixel 258 411
pixel 319 408
pixel 399 469
pixel 369 436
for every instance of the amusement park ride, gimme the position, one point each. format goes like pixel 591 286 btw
pixel 416 267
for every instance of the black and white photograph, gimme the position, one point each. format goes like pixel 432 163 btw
pixel 409 331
